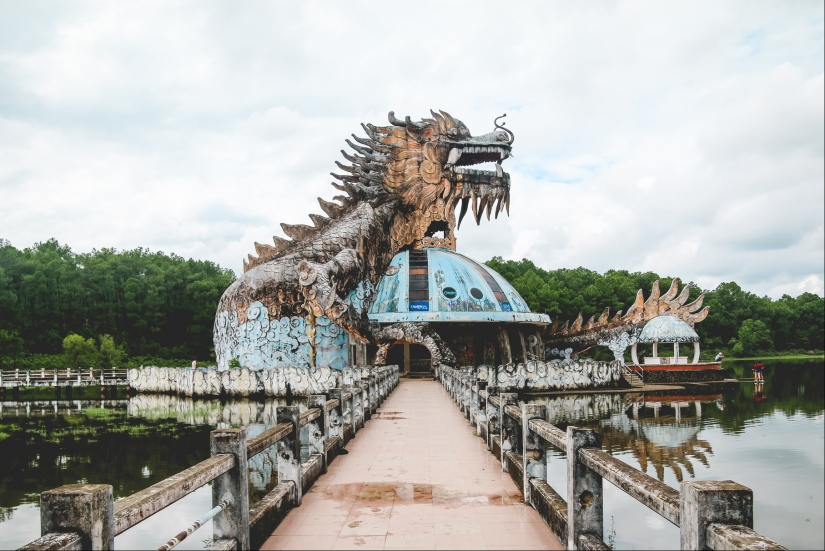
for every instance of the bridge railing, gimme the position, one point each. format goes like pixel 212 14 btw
pixel 85 516
pixel 62 377
pixel 709 514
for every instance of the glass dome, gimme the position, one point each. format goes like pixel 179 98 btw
pixel 440 285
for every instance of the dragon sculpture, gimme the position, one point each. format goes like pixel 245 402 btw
pixel 622 330
pixel 401 185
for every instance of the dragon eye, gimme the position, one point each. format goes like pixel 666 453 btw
pixel 453 132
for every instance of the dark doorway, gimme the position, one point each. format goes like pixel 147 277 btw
pixel 396 356
pixel 420 359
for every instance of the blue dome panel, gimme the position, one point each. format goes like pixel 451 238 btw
pixel 442 285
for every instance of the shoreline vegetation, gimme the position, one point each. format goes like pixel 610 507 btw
pixel 107 308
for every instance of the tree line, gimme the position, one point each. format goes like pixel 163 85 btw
pixel 739 323
pixel 110 307
pixel 135 304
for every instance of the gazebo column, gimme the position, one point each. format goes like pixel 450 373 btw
pixel 655 349
pixel 675 352
pixel 696 352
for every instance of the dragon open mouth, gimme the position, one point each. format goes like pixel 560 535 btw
pixel 481 188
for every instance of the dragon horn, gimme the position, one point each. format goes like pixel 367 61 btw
pixel 394 121
pixel 501 126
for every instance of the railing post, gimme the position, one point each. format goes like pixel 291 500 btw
pixel 233 522
pixel 87 509
pixel 509 427
pixel 584 489
pixel 357 406
pixel 533 449
pixel 289 451
pixel 492 417
pixel 365 399
pixel 711 501
pixel 467 396
pixel 481 406
pixel 346 412
pixel 473 401
pixel 319 428
pixel 373 395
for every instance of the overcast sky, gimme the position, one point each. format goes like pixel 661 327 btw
pixel 683 138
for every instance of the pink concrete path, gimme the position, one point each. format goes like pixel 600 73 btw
pixel 416 477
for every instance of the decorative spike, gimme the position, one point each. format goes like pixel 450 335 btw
pixel 636 310
pixel 245 266
pixel 465 202
pixel 333 210
pixel 490 207
pixel 346 168
pixel 577 325
pixel 359 149
pixel 618 317
pixel 344 178
pixel 695 318
pixel 319 221
pixel 683 296
pixel 482 205
pixel 353 158
pixel 264 251
pixel 565 328
pixel 603 318
pixel 338 186
pixel 297 231
pixel 555 326
pixel 672 292
pixel 449 120
pixel 695 305
pixel 442 125
pixel 280 242
pixel 507 202
pixel 590 323
pixel 346 201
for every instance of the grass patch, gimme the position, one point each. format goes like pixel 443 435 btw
pixel 780 357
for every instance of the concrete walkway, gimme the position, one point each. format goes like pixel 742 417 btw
pixel 416 477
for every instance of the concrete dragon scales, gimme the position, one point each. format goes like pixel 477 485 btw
pixel 402 185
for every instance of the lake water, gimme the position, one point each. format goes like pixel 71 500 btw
pixel 771 442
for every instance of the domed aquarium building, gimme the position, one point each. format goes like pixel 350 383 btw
pixel 481 318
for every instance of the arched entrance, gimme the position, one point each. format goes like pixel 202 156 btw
pixel 414 358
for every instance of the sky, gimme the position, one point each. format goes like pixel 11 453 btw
pixel 684 138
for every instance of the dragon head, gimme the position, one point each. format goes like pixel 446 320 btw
pixel 424 166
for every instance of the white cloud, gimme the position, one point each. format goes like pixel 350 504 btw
pixel 682 138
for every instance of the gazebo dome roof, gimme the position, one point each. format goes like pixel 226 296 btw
pixel 667 329
pixel 440 285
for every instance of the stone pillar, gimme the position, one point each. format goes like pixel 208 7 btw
pixel 373 395
pixel 473 401
pixel 233 522
pixel 481 406
pixel 493 425
pixel 698 405
pixel 510 439
pixel 87 509
pixel 406 358
pixel 533 449
pixel 319 428
pixel 584 489
pixel 346 411
pixel 357 406
pixel 709 501
pixel 289 452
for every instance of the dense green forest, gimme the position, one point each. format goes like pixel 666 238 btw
pixel 130 307
pixel 152 304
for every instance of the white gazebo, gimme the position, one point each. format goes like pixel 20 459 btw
pixel 667 329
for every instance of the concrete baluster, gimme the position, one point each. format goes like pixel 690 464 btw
pixel 346 412
pixel 585 513
pixel 473 401
pixel 289 451
pixel 468 393
pixel 510 428
pixel 373 395
pixel 492 417
pixel 28 377
pixel 704 502
pixel 357 406
pixel 233 522
pixel 533 449
pixel 481 407
pixel 86 509
pixel 319 428
pixel 365 400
